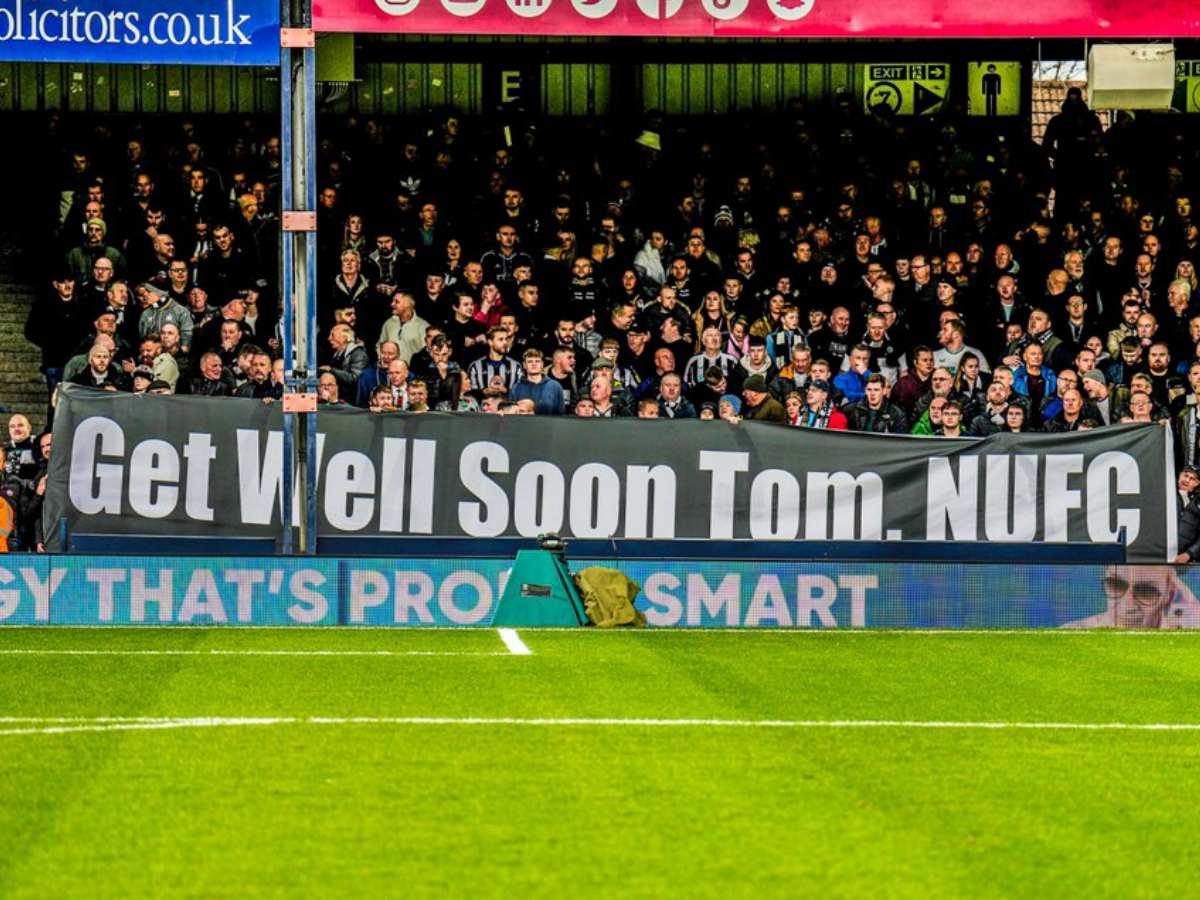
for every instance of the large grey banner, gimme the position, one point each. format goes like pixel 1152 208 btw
pixel 127 464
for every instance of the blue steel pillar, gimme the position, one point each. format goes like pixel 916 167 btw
pixel 297 101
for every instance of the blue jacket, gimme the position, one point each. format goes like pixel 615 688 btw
pixel 547 396
pixel 1021 381
pixel 852 385
pixel 369 380
pixel 684 410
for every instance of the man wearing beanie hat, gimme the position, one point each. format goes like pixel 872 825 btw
pixel 1095 385
pixel 760 406
pixel 81 259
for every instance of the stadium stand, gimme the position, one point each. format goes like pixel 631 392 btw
pixel 828 268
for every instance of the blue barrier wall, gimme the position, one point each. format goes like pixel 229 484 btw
pixel 323 591
pixel 614 550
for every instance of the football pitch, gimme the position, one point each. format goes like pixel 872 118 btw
pixel 209 762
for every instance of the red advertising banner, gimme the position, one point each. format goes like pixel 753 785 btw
pixel 765 18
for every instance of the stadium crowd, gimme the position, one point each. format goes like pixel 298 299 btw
pixel 833 268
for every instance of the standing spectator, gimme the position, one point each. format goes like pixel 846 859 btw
pixel 759 404
pixel 20 457
pixel 545 393
pixel 500 262
pixel 496 369
pixel 952 415
pixel 56 325
pixel 376 375
pixel 819 411
pixel 710 355
pixel 794 376
pixel 349 359
pixel 213 379
pixel 852 383
pixel 95 290
pixel 467 334
pixel 1031 379
pixel 101 373
pixel 404 328
pixel 82 259
pixel 952 337
pixel 158 309
pixel 916 383
pixel 873 413
pixel 259 385
pixel 993 414
pixel 671 402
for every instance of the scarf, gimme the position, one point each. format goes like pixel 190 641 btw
pixel 1189 446
pixel 810 418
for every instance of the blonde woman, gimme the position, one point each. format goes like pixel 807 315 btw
pixel 711 314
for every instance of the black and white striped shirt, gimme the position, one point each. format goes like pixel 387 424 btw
pixel 483 370
pixel 693 372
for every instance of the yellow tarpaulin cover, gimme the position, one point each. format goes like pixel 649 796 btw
pixel 608 597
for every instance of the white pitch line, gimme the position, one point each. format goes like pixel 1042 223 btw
pixel 75 726
pixel 91 720
pixel 513 642
pixel 165 724
pixel 215 652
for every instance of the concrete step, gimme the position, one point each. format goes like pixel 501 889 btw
pixel 22 387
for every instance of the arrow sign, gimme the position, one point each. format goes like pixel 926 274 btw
pixel 924 99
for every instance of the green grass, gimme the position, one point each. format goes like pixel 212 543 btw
pixel 559 811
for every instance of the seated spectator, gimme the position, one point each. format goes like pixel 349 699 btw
pixel 930 420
